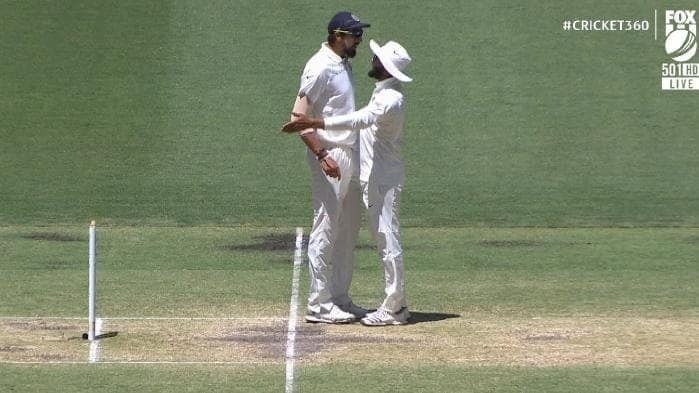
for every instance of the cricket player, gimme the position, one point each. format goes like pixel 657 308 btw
pixel 381 170
pixel 327 90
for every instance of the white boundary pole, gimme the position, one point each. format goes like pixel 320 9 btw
pixel 91 285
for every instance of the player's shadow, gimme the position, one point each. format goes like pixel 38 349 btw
pixel 422 317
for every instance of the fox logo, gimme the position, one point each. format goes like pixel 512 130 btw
pixel 680 34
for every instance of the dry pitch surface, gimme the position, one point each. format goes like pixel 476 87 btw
pixel 465 339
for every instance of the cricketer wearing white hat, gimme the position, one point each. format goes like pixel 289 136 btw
pixel 382 171
pixel 393 57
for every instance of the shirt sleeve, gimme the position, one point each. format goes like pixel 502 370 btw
pixel 313 82
pixel 369 115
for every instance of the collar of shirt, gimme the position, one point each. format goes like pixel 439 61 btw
pixel 325 48
pixel 387 83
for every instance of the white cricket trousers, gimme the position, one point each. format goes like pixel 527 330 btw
pixel 336 220
pixel 383 203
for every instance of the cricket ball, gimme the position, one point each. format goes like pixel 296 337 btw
pixel 681 45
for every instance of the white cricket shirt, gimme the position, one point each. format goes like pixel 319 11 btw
pixel 327 82
pixel 381 125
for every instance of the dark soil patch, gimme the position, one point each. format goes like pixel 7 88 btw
pixel 53 237
pixel 276 242
pixel 527 243
pixel 13 349
pixel 39 325
pixel 268 242
pixel 511 243
pixel 270 341
pixel 56 264
pixel 546 337
pixel 52 357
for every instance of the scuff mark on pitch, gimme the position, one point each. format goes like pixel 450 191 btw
pixel 269 341
pixel 13 349
pixel 39 325
pixel 546 337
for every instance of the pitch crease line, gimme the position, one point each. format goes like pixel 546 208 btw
pixel 293 310
pixel 196 318
pixel 148 318
pixel 39 318
pixel 184 362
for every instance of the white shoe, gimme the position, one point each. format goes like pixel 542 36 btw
pixel 358 312
pixel 383 317
pixel 334 316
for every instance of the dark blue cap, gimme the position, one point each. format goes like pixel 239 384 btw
pixel 345 21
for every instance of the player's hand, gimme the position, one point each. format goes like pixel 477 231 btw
pixel 302 122
pixel 330 167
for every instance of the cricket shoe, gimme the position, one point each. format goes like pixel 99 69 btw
pixel 358 312
pixel 383 317
pixel 334 316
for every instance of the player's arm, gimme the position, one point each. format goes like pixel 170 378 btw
pixel 302 123
pixel 363 118
pixel 310 139
pixel 313 81
pixel 355 121
pixel 301 106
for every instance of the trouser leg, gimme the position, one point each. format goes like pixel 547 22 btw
pixel 383 207
pixel 327 196
pixel 343 252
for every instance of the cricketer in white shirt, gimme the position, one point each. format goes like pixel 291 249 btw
pixel 327 84
pixel 381 125
pixel 381 176
pixel 382 172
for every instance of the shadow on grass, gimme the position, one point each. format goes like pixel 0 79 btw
pixel 278 242
pixel 102 336
pixel 422 317
pixel 106 335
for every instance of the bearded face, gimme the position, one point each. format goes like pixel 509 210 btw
pixel 377 70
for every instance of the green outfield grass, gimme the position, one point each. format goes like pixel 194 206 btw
pixel 259 379
pixel 119 378
pixel 168 112
pixel 549 215
pixel 233 271
pixel 495 310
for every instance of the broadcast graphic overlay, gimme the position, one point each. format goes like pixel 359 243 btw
pixel 680 46
pixel 678 72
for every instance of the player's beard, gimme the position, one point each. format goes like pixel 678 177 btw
pixel 350 52
pixel 376 72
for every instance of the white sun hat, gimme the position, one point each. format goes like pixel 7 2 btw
pixel 393 57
